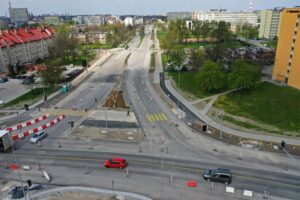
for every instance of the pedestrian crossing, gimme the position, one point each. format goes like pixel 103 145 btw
pixel 70 112
pixel 156 117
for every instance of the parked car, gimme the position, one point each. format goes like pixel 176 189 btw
pixel 38 137
pixel 3 80
pixel 1 102
pixel 28 81
pixel 218 175
pixel 119 163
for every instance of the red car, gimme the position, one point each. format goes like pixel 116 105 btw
pixel 119 163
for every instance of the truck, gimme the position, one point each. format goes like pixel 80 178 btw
pixel 5 141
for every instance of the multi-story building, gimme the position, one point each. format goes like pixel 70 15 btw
pixel 287 60
pixel 52 20
pixel 138 21
pixel 4 22
pixel 95 20
pixel 269 23
pixel 129 21
pixel 178 15
pixel 18 16
pixel 24 45
pixel 234 18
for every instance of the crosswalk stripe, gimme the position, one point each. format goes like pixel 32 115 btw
pixel 160 117
pixel 164 117
pixel 156 117
pixel 149 118
pixel 152 118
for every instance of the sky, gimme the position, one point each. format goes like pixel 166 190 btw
pixel 142 7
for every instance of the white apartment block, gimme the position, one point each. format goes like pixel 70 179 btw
pixel 270 23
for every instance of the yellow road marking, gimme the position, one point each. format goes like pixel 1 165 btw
pixel 156 117
pixel 160 117
pixel 164 116
pixel 149 118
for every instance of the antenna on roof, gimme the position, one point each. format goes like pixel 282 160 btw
pixel 9 4
pixel 250 6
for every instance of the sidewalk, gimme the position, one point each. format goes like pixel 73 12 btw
pixel 203 117
pixel 74 82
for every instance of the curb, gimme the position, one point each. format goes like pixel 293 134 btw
pixel 35 130
pixel 28 123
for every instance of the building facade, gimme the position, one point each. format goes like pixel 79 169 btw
pixel 269 23
pixel 4 22
pixel 24 45
pixel 52 20
pixel 129 21
pixel 234 18
pixel 178 15
pixel 18 16
pixel 287 60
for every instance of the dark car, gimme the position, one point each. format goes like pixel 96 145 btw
pixel 119 163
pixel 28 81
pixel 218 175
pixel 3 80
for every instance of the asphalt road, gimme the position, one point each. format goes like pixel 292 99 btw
pixel 185 153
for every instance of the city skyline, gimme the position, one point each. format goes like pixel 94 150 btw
pixel 139 7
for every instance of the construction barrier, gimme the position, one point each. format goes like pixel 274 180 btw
pixel 29 123
pixel 35 130
pixel 192 183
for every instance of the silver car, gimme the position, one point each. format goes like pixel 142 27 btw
pixel 38 136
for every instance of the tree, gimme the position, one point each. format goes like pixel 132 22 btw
pixel 197 29
pixel 178 56
pixel 222 31
pixel 169 42
pixel 247 31
pixel 211 77
pixel 52 75
pixel 244 75
pixel 205 30
pixel 197 58
pixel 215 52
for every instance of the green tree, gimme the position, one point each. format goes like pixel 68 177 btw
pixel 52 75
pixel 222 31
pixel 197 29
pixel 206 30
pixel 169 42
pixel 247 31
pixel 244 75
pixel 211 77
pixel 197 58
pixel 178 56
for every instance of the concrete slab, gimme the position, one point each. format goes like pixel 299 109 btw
pixel 12 89
pixel 114 115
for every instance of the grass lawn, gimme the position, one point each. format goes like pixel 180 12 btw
pixel 266 103
pixel 272 43
pixel 161 35
pixel 30 97
pixel 231 44
pixel 152 63
pixel 94 46
pixel 77 61
pixel 188 83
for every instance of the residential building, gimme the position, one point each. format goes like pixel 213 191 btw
pixel 234 18
pixel 24 45
pixel 4 22
pixel 18 16
pixel 178 15
pixel 287 60
pixel 138 21
pixel 52 20
pixel 129 21
pixel 95 20
pixel 269 23
pixel 189 24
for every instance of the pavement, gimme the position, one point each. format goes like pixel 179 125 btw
pixel 12 89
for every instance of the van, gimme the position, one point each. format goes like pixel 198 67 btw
pixel 218 175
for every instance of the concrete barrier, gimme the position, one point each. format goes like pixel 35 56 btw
pixel 248 193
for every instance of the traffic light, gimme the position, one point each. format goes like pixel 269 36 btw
pixel 84 63
pixel 29 183
pixel 26 107
pixel 282 144
pixel 204 128
pixel 45 97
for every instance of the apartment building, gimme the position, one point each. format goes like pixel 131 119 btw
pixel 178 15
pixel 270 22
pixel 18 16
pixel 24 45
pixel 287 60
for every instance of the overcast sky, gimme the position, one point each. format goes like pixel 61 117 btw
pixel 143 7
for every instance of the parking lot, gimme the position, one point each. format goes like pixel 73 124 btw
pixel 12 89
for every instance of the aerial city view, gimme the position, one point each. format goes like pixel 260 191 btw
pixel 149 99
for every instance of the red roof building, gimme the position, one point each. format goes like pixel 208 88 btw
pixel 24 45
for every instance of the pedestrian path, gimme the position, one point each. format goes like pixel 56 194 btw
pixel 70 112
pixel 156 117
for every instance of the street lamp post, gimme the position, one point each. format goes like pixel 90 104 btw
pixel 221 131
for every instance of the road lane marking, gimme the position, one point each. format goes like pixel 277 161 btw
pixel 149 118
pixel 156 117
pixel 151 164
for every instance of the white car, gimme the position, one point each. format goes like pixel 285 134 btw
pixel 1 102
pixel 38 137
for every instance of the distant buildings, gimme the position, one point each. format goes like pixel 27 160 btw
pixel 91 37
pixel 178 15
pixel 4 22
pixel 18 16
pixel 24 45
pixel 52 20
pixel 287 60
pixel 270 20
pixel 129 21
pixel 234 18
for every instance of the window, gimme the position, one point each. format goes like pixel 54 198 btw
pixel 286 80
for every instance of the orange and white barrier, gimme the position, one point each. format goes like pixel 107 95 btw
pixel 29 123
pixel 35 130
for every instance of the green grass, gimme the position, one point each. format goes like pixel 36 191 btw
pixel 161 35
pixel 272 43
pixel 126 60
pixel 188 83
pixel 67 61
pixel 230 44
pixel 93 46
pixel 266 103
pixel 30 97
pixel 152 63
